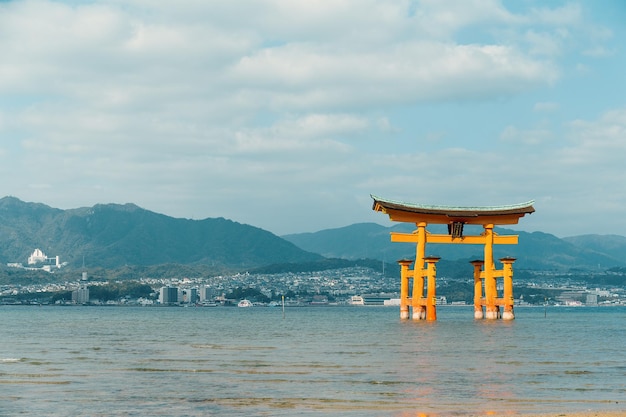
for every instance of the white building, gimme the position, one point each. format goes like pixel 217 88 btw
pixel 206 293
pixel 37 257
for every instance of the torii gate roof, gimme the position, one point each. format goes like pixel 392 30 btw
pixel 439 214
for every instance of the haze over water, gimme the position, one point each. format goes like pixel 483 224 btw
pixel 339 361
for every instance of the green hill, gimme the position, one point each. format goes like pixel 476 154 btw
pixel 535 251
pixel 118 236
pixel 113 235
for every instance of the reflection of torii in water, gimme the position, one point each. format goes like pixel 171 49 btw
pixel 425 267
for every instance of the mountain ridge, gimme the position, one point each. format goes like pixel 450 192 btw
pixel 117 235
pixel 535 250
pixel 113 235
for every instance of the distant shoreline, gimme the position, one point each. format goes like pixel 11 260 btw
pixel 298 305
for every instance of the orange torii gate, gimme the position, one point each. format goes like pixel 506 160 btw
pixel 485 272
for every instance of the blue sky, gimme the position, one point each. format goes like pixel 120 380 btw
pixel 288 115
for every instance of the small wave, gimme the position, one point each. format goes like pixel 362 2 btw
pixel 31 382
pixel 230 347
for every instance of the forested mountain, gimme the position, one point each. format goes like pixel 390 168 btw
pixel 113 235
pixel 537 250
pixel 612 245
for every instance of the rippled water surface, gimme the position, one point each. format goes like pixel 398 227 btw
pixel 339 361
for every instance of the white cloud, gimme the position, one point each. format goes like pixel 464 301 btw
pixel 301 76
pixel 569 14
pixel 546 43
pixel 196 108
pixel 528 137
pixel 576 183
pixel 546 106
pixel 600 144
pixel 442 19
pixel 141 61
pixel 599 52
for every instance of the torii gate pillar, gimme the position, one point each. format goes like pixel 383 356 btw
pixel 485 272
pixel 507 297
pixel 404 287
pixel 478 289
pixel 489 300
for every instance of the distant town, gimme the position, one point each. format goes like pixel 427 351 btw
pixel 348 286
pixel 203 272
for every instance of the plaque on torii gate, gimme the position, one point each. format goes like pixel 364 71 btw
pixel 485 272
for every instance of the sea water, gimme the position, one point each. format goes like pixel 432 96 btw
pixel 328 361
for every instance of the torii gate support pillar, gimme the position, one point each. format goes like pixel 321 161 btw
pixel 431 290
pixel 507 297
pixel 417 299
pixel 478 289
pixel 424 307
pixel 491 301
pixel 405 274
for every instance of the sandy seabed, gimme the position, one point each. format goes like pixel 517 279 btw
pixel 620 413
pixel 588 413
pixel 582 414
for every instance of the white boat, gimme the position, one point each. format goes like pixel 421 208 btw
pixel 245 303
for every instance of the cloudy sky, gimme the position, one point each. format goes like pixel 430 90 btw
pixel 287 115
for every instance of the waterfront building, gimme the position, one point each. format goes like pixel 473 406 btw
pixel 168 295
pixel 189 295
pixel 81 295
pixel 206 293
pixel 376 299
pixel 592 299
